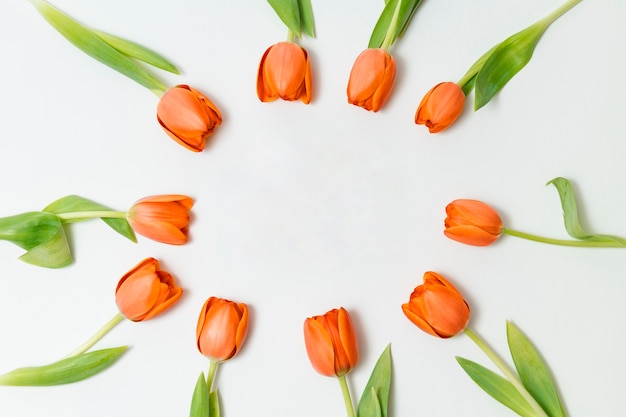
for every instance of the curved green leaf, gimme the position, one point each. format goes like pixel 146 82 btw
pixel 533 372
pixel 496 386
pixel 76 204
pixel 289 12
pixel 307 22
pixel 214 404
pixel 86 39
pixel 52 253
pixel 200 399
pixel 375 399
pixel 65 371
pixel 570 215
pixel 391 25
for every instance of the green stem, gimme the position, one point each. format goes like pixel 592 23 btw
pixel 347 399
pixel 291 37
pixel 549 19
pixel 391 30
pixel 97 336
pixel 510 375
pixel 210 377
pixel 563 242
pixel 92 214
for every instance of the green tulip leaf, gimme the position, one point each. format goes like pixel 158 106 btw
pixel 533 372
pixel 77 204
pixel 93 45
pixel 65 371
pixel 200 399
pixel 496 386
pixel 375 399
pixel 570 215
pixel 393 22
pixel 138 52
pixel 307 22
pixel 296 14
pixel 53 253
pixel 214 404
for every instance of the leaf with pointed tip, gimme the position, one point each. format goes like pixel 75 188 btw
pixel 200 399
pixel 214 404
pixel 386 21
pixel 496 386
pixel 65 371
pixel 52 253
pixel 533 372
pixel 375 399
pixel 307 22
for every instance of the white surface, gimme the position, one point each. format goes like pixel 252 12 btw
pixel 300 209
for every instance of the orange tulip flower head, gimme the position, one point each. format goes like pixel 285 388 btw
pixel 437 307
pixel 285 72
pixel 164 218
pixel 440 107
pixel 146 291
pixel 188 116
pixel 222 328
pixel 331 343
pixel 371 79
pixel 472 222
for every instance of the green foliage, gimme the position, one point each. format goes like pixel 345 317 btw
pixel 65 371
pixel 375 399
pixel 203 402
pixel 296 14
pixel 533 372
pixel 392 22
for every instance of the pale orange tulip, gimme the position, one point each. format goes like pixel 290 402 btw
pixel 440 107
pixel 472 222
pixel 222 328
pixel 371 79
pixel 285 72
pixel 164 218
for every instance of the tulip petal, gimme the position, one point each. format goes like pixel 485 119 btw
pixel 347 336
pixel 217 339
pixel 140 291
pixel 319 347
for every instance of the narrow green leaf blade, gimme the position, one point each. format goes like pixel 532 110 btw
pixel 496 386
pixel 570 214
pixel 533 371
pixel 90 43
pixel 214 404
pixel 65 371
pixel 289 12
pixel 307 22
pixel 200 399
pixel 134 50
pixel 51 253
pixel 375 399
pixel 28 230
pixel 506 60
pixel 388 26
pixel 76 204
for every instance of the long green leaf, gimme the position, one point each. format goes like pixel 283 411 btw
pixel 76 204
pixel 289 12
pixel 307 22
pixel 200 399
pixel 52 253
pixel 85 39
pixel 386 26
pixel 375 399
pixel 496 386
pixel 65 371
pixel 214 404
pixel 570 215
pixel 533 372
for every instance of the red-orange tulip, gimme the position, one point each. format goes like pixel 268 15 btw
pixel 222 328
pixel 437 307
pixel 331 342
pixel 146 291
pixel 371 79
pixel 472 222
pixel 188 116
pixel 285 72
pixel 440 107
pixel 164 218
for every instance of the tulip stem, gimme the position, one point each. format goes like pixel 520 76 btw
pixel 510 375
pixel 210 377
pixel 97 336
pixel 92 214
pixel 347 399
pixel 391 30
pixel 565 242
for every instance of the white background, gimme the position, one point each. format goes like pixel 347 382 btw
pixel 301 209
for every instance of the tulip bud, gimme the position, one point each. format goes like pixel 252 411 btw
pixel 187 116
pixel 472 222
pixel 437 307
pixel 371 79
pixel 222 328
pixel 331 343
pixel 284 72
pixel 164 218
pixel 440 107
pixel 146 291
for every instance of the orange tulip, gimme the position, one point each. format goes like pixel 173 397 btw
pixel 284 72
pixel 472 222
pixel 164 218
pixel 371 79
pixel 440 107
pixel 331 343
pixel 187 116
pixel 146 291
pixel 222 328
pixel 437 307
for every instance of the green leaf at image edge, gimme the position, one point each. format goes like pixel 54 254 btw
pixel 200 399
pixel 65 371
pixel 406 12
pixel 497 387
pixel 533 372
pixel 297 15
pixel 375 399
